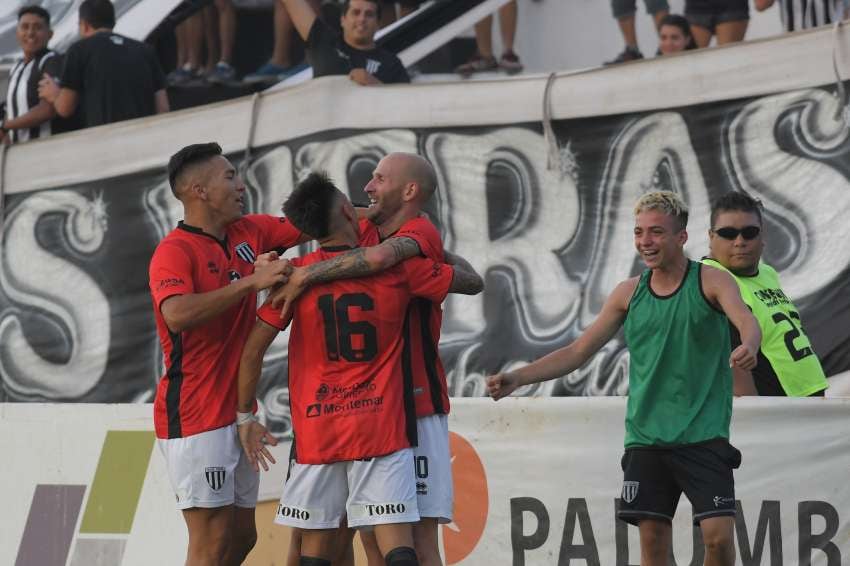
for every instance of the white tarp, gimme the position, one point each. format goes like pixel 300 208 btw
pixel 535 480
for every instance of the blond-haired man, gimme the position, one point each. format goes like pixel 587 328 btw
pixel 680 385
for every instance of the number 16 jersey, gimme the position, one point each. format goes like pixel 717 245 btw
pixel 350 375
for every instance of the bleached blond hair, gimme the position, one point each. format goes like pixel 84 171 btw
pixel 667 202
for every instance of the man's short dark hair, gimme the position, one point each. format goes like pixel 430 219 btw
pixel 735 200
pixel 36 11
pixel 310 206
pixel 98 13
pixel 347 4
pixel 189 155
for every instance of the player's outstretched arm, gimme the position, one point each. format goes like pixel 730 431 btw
pixel 720 288
pixel 253 436
pixel 466 280
pixel 182 312
pixel 574 355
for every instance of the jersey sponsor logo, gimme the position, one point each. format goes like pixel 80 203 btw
pixel 245 252
pixel 215 477
pixel 372 66
pixel 170 282
pixel 421 488
pixel 234 275
pixel 212 267
pixel 377 510
pixel 772 297
pixel 630 490
pixel 368 405
pixel 322 392
pixel 314 410
pixel 293 513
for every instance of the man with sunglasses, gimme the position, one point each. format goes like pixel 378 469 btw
pixel 787 364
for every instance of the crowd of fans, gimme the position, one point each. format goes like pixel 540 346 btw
pixel 724 20
pixel 106 77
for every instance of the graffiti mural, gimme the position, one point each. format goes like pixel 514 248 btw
pixel 75 314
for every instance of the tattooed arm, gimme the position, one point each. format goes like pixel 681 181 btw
pixel 358 262
pixel 466 280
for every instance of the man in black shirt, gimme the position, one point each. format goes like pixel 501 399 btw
pixel 111 77
pixel 354 53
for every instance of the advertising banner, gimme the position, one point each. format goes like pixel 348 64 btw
pixel 536 481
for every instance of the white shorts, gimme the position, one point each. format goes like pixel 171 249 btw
pixel 433 468
pixel 210 470
pixel 370 492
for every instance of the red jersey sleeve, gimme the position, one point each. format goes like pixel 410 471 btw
pixel 271 316
pixel 428 279
pixel 278 232
pixel 170 272
pixel 424 233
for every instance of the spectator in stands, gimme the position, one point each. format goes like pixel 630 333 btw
pixel 190 45
pixel 282 63
pixel 223 72
pixel 802 14
pixel 726 19
pixel 354 53
pixel 786 364
pixel 624 12
pixel 484 60
pixel 113 77
pixel 674 35
pixel 27 116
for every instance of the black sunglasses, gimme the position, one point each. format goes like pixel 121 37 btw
pixel 729 233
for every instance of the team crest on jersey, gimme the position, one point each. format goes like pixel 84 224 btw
pixel 630 490
pixel 245 252
pixel 215 477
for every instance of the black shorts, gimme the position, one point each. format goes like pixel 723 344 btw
pixel 654 478
pixel 709 13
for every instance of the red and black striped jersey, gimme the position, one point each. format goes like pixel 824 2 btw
pixel 198 391
pixel 430 389
pixel 350 374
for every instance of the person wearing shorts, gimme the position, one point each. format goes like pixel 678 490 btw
pixel 351 388
pixel 676 317
pixel 725 19
pixel 624 12
pixel 394 230
pixel 204 286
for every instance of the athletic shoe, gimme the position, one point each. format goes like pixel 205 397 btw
pixel 222 73
pixel 267 74
pixel 180 76
pixel 476 65
pixel 510 63
pixel 629 54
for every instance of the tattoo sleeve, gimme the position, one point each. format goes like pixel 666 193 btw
pixel 357 262
pixel 465 281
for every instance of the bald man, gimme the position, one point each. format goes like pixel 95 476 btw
pixel 204 286
pixel 393 230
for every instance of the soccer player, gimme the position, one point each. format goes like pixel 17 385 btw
pixel 350 387
pixel 680 385
pixel 787 364
pixel 395 229
pixel 204 285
